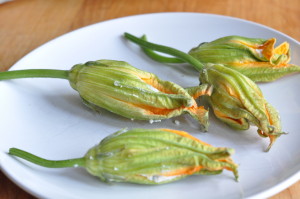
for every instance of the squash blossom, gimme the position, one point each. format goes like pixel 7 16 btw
pixel 235 98
pixel 256 58
pixel 132 93
pixel 146 156
pixel 125 90
pixel 239 102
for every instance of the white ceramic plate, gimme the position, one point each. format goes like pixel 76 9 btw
pixel 46 117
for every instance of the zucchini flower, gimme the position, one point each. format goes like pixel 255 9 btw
pixel 146 156
pixel 235 98
pixel 256 58
pixel 125 90
pixel 239 102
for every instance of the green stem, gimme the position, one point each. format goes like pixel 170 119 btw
pixel 168 50
pixel 157 57
pixel 80 162
pixel 29 73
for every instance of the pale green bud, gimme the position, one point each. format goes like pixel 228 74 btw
pixel 155 156
pixel 146 156
pixel 256 58
pixel 132 93
pixel 239 102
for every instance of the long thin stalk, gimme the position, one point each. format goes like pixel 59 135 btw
pixel 157 57
pixel 77 162
pixel 165 49
pixel 30 73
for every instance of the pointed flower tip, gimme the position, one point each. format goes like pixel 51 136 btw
pixel 236 177
pixel 273 137
pixel 236 172
pixel 283 48
pixel 230 151
pixel 200 114
pixel 272 141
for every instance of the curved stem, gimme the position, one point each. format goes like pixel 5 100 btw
pixel 165 49
pixel 77 162
pixel 157 57
pixel 29 73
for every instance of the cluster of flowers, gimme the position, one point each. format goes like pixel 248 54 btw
pixel 228 67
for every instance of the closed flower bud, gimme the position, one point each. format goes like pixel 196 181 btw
pixel 235 98
pixel 238 101
pixel 258 59
pixel 124 90
pixel 147 156
pixel 132 93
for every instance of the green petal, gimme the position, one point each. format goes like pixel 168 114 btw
pixel 266 72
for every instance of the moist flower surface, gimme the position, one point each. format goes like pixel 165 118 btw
pixel 146 156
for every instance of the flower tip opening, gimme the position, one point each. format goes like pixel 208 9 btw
pixel 273 138
pixel 236 175
pixel 272 141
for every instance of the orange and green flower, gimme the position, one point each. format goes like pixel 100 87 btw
pixel 256 58
pixel 235 98
pixel 127 91
pixel 147 156
pixel 124 90
pixel 239 102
